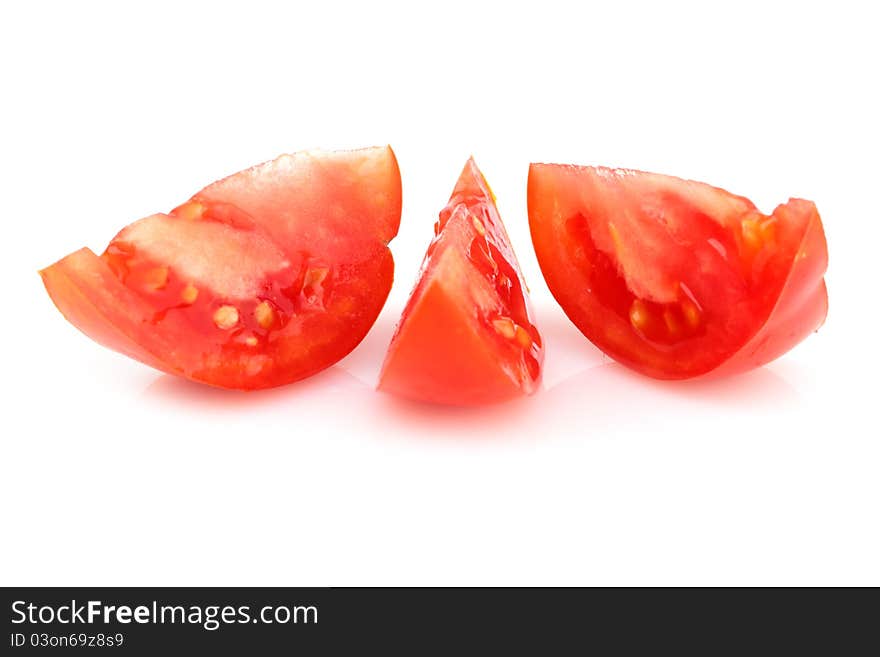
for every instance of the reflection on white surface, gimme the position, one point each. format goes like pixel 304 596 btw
pixel 332 383
pixel 589 403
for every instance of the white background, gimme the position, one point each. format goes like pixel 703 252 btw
pixel 113 474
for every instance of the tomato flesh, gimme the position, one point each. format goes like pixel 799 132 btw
pixel 676 278
pixel 261 279
pixel 467 335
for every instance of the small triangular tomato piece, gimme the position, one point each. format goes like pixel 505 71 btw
pixel 467 335
pixel 260 279
pixel 677 278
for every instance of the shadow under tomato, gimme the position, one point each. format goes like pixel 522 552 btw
pixel 421 419
pixel 603 400
pixel 595 403
pixel 761 386
pixel 330 384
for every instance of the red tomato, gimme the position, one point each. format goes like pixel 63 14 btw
pixel 676 278
pixel 262 278
pixel 467 335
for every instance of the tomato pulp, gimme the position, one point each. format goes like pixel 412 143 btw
pixel 677 278
pixel 467 335
pixel 260 279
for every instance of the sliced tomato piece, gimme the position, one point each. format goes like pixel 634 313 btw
pixel 676 278
pixel 467 335
pixel 262 278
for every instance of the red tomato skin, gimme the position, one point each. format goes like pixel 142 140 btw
pixel 445 349
pixel 91 294
pixel 799 306
pixel 86 292
pixel 802 305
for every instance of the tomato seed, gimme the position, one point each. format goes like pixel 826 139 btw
pixel 505 327
pixel 691 314
pixel 225 317
pixel 189 294
pixel 264 314
pixel 638 314
pixel 523 337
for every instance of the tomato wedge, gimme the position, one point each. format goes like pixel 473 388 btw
pixel 260 279
pixel 676 278
pixel 467 335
